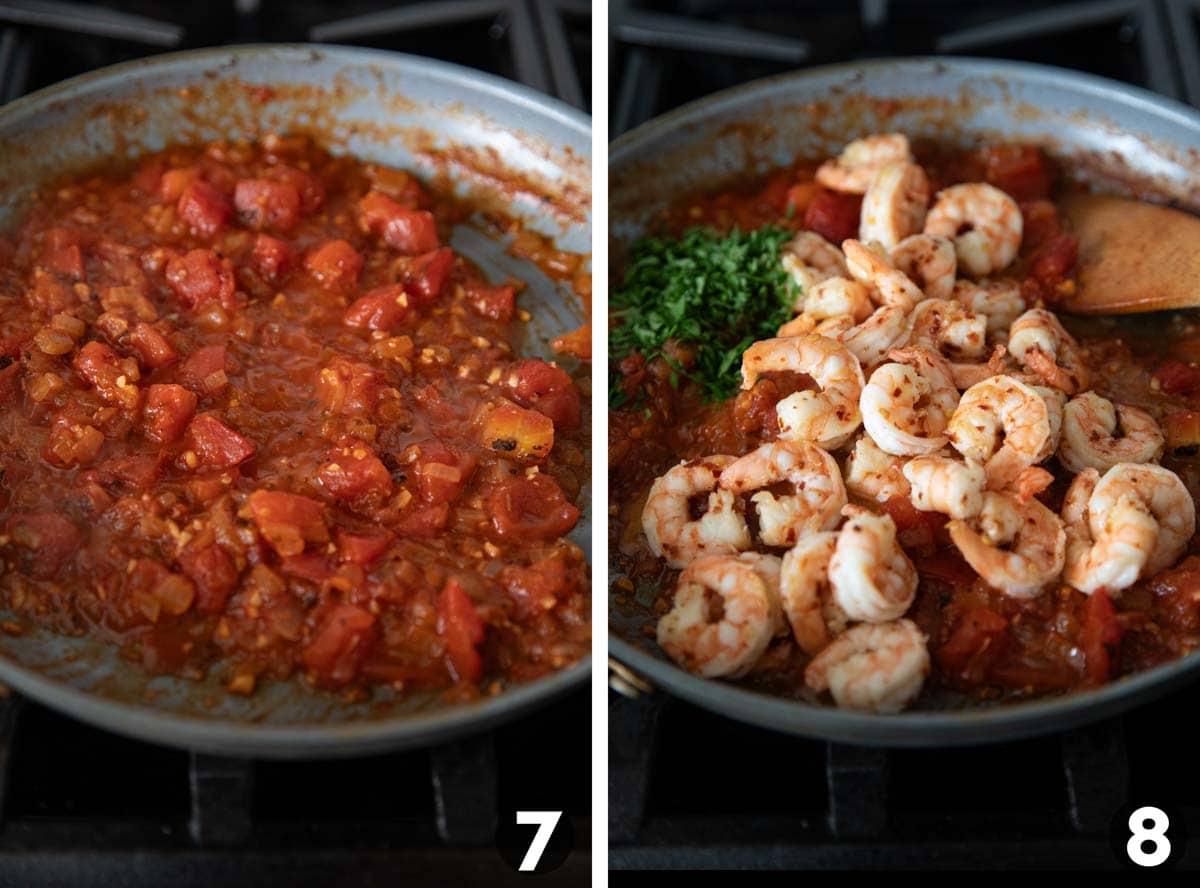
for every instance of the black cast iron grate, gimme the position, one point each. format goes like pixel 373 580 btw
pixel 82 806
pixel 545 44
pixel 663 54
pixel 690 789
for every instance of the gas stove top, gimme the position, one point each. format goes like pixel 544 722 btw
pixel 82 806
pixel 691 789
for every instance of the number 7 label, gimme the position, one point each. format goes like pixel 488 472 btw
pixel 546 821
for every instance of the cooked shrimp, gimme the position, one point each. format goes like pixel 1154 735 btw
pixel 828 417
pixel 856 166
pixel 1107 550
pixel 943 484
pixel 810 259
pixel 870 473
pixel 984 223
pixel 1160 491
pixel 872 578
pixel 929 262
pixel 1099 434
pixel 967 374
pixel 838 296
pixel 1056 402
pixel 1003 424
pixel 1029 482
pixel 804 590
pixel 894 205
pixel 1000 302
pixel 1048 351
pixel 666 519
pixel 872 668
pixel 1018 547
pixel 829 328
pixel 818 493
pixel 949 328
pixel 906 406
pixel 725 613
pixel 870 341
pixel 870 264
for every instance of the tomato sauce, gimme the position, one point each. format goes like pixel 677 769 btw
pixel 258 418
pixel 984 645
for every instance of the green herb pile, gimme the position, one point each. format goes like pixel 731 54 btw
pixel 716 293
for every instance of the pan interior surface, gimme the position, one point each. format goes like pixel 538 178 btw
pixel 505 147
pixel 1117 138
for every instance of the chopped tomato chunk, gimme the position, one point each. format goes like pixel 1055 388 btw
pixel 44 543
pixel 536 588
pixel 312 192
pixel 425 276
pixel 531 507
pixel 401 228
pixel 546 388
pixel 442 473
pixel 977 640
pixel 364 549
pixel 273 258
pixel 204 370
pixel 347 387
pixel 462 630
pixel 342 641
pixel 139 471
pixel 215 444
pixel 154 349
pixel 169 409
pixel 262 203
pixel 114 377
pixel 205 209
pixel 287 520
pixel 1099 636
pixel 1023 171
pixel 355 475
pixel 381 309
pixel 833 215
pixel 202 276
pixel 1178 378
pixel 213 573
pixel 497 303
pixel 423 521
pixel 336 265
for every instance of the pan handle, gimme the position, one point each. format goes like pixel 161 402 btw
pixel 626 682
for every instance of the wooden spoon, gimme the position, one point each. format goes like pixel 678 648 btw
pixel 1133 256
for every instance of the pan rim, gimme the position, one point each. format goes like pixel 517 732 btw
pixel 308 740
pixel 918 728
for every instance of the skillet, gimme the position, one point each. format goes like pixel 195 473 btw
pixel 510 148
pixel 1115 137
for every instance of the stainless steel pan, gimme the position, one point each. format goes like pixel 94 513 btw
pixel 1119 137
pixel 508 146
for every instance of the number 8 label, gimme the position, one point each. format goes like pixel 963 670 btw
pixel 1154 834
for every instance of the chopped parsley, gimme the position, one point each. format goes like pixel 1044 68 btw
pixel 715 293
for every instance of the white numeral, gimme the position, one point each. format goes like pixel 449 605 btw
pixel 546 821
pixel 1156 835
